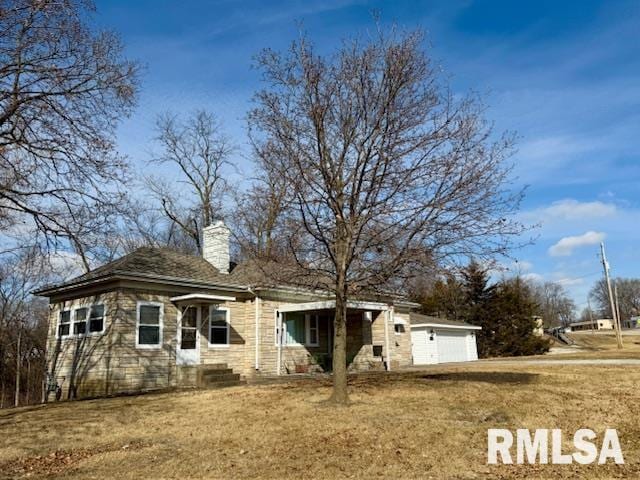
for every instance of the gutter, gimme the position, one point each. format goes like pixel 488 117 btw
pixel 167 280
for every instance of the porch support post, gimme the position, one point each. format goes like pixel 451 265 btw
pixel 387 351
pixel 279 341
pixel 257 339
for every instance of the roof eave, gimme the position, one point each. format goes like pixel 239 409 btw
pixel 177 281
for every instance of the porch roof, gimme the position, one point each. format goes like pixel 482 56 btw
pixel 331 304
pixel 202 298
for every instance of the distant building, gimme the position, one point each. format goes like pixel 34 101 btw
pixel 538 329
pixel 599 324
pixel 633 322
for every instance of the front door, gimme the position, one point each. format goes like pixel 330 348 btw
pixel 188 344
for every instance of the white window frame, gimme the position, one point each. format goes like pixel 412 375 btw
pixel 145 346
pixel 307 331
pixel 72 321
pixel 70 334
pixel 228 323
pixel 104 320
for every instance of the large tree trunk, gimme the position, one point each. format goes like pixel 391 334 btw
pixel 16 401
pixel 340 395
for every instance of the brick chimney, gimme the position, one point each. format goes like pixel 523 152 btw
pixel 215 245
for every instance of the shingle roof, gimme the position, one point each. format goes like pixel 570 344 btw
pixel 154 261
pixel 418 318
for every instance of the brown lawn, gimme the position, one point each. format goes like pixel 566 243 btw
pixel 428 424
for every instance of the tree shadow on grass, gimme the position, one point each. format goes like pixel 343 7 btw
pixel 496 378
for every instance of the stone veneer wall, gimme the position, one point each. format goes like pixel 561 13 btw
pixel 110 363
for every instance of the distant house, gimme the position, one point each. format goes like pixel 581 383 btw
pixel 633 322
pixel 599 324
pixel 156 319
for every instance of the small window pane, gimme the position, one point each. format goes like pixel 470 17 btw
pixel 149 315
pixel 218 336
pixel 188 339
pixel 295 329
pixel 63 330
pixel 149 335
pixel 96 325
pixel 97 311
pixel 65 317
pixel 79 328
pixel 219 317
pixel 190 317
pixel 81 314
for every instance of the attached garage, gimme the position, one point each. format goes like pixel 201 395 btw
pixel 435 340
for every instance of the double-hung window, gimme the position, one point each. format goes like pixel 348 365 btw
pixel 64 326
pixel 96 319
pixel 80 321
pixel 149 324
pixel 218 327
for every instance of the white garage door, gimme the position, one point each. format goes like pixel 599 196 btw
pixel 423 347
pixel 452 346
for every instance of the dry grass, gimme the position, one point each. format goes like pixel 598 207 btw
pixel 604 345
pixel 430 424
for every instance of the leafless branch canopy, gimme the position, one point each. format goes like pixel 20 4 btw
pixel 63 89
pixel 201 151
pixel 386 170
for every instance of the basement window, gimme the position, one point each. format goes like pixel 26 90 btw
pixel 65 323
pixel 149 324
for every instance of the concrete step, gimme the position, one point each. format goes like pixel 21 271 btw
pixel 214 366
pixel 221 371
pixel 222 377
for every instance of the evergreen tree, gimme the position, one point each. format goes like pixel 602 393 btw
pixel 510 322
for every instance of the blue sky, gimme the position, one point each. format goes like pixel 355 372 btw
pixel 563 75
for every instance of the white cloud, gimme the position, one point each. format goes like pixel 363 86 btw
pixel 566 245
pixel 534 277
pixel 570 209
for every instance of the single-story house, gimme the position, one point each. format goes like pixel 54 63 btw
pixel 156 319
pixel 438 340
pixel 599 324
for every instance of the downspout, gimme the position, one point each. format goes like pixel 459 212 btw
pixel 257 313
pixel 257 339
pixel 387 314
pixel 279 341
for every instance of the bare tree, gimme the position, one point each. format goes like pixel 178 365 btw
pixel 22 318
pixel 555 306
pixel 63 89
pixel 201 151
pixel 628 297
pixel 385 170
pixel 258 216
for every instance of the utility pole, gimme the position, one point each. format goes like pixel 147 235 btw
pixel 615 295
pixel 605 265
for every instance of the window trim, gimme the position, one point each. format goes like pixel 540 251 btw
pixel 307 331
pixel 228 329
pixel 70 334
pixel 104 320
pixel 72 320
pixel 146 346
